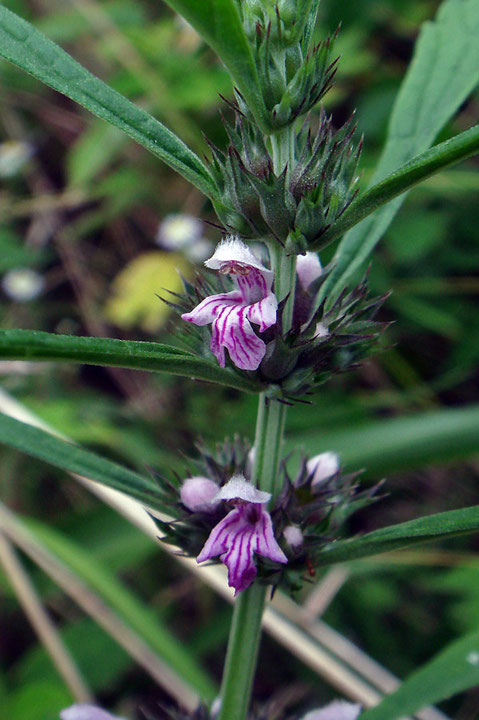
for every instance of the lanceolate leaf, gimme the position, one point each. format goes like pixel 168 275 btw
pixel 219 23
pixel 33 345
pixel 426 529
pixel 388 445
pixel 443 72
pixel 65 455
pixel 23 45
pixel 453 670
pixel 421 167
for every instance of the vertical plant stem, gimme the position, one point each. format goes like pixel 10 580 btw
pixel 284 266
pixel 245 633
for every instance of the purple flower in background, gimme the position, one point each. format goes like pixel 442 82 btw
pixel 337 710
pixel 232 313
pixel 246 530
pixel 86 712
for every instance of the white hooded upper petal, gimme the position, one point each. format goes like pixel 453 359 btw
pixel 232 249
pixel 238 488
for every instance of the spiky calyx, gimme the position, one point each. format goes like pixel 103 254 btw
pixel 294 73
pixel 304 200
pixel 314 504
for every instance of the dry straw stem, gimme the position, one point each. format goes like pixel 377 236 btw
pixel 94 606
pixel 41 622
pixel 327 652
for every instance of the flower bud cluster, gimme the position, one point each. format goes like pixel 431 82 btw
pixel 300 204
pixel 294 74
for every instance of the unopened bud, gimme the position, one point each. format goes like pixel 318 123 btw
pixel 293 536
pixel 197 494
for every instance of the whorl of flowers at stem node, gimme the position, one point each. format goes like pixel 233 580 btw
pixel 276 541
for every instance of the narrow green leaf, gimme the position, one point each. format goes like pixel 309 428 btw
pixel 40 444
pixel 453 670
pixel 421 167
pixel 443 72
pixel 219 23
pixel 129 607
pixel 29 49
pixel 425 529
pixel 156 357
pixel 388 445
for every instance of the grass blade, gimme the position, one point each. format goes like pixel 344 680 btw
pixel 26 47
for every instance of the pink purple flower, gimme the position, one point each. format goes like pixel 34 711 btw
pixel 246 530
pixel 86 712
pixel 337 710
pixel 232 313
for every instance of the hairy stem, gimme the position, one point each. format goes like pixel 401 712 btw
pixel 245 633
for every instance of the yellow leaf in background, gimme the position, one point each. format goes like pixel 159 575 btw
pixel 133 302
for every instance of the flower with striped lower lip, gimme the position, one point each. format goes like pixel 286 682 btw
pixel 246 530
pixel 232 313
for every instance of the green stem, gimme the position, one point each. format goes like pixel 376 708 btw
pixel 245 633
pixel 284 266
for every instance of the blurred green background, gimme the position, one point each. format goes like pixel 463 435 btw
pixel 85 209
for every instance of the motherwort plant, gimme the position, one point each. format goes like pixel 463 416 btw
pixel 265 317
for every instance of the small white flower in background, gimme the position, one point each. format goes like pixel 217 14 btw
pixel 86 712
pixel 293 536
pixel 322 467
pixel 184 233
pixel 13 155
pixel 337 710
pixel 197 494
pixel 308 268
pixel 22 284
